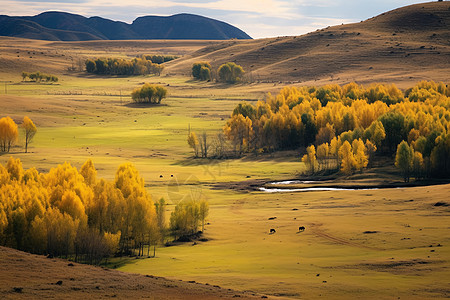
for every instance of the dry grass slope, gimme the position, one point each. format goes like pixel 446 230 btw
pixel 403 45
pixel 28 276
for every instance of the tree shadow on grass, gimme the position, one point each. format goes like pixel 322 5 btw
pixel 143 105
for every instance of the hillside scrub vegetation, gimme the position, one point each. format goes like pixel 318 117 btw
pixel 73 213
pixel 348 124
pixel 201 71
pixel 118 66
pixel 149 93
pixel 39 77
pixel 159 59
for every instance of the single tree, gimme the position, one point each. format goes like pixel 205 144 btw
pixel 193 143
pixel 203 212
pixel 30 130
pixel 347 158
pixel 404 159
pixel 309 159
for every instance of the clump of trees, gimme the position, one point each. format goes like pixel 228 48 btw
pixel 9 133
pixel 149 93
pixel 38 77
pixel 230 72
pixel 187 217
pixel 209 146
pixel 348 124
pixel 159 59
pixel 201 71
pixel 118 66
pixel 72 213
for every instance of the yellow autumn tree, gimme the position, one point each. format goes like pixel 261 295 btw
pixel 347 158
pixel 309 159
pixel 29 129
pixel 89 173
pixel 323 154
pixel 8 133
pixel 360 154
pixel 239 130
pixel 192 141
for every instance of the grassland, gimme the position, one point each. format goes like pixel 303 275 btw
pixel 407 255
pixel 240 253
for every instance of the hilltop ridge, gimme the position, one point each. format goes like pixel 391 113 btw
pixel 411 42
pixel 62 26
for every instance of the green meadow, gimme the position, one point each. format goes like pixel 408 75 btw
pixel 405 256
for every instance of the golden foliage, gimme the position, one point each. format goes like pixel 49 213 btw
pixel 380 114
pixel 8 133
pixel 29 129
pixel 55 212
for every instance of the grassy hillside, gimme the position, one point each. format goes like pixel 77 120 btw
pixel 403 45
pixel 60 279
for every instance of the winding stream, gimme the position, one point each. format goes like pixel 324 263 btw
pixel 306 189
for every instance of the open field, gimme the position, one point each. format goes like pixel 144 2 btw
pixel 240 253
pixel 367 244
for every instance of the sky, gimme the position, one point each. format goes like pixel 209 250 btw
pixel 258 18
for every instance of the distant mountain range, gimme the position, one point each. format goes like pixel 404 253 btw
pixel 61 26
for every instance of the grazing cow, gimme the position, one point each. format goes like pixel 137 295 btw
pixel 301 228
pixel 272 230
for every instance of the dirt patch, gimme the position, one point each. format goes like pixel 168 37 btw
pixel 319 232
pixel 400 267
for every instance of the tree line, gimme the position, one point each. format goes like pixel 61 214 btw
pixel 38 77
pixel 343 127
pixel 119 66
pixel 9 133
pixel 159 59
pixel 228 72
pixel 72 213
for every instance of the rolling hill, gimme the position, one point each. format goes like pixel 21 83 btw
pixel 407 44
pixel 60 279
pixel 61 26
